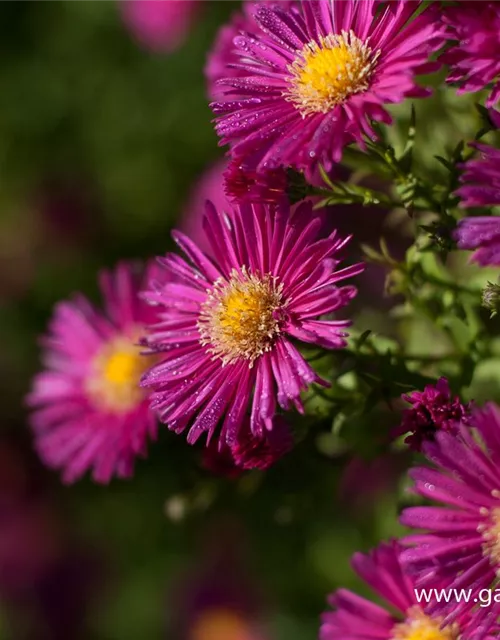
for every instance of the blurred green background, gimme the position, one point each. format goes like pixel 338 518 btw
pixel 101 141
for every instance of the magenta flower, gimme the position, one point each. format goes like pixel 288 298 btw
pixel 249 451
pixel 311 78
pixel 481 178
pixel 461 546
pixel 474 57
pixel 242 185
pixel 357 618
pixel 160 25
pixel 224 54
pixel 433 409
pixel 219 462
pixel 226 324
pixel 483 234
pixel 481 188
pixel 89 411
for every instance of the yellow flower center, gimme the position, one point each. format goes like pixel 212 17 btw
pixel 419 626
pixel 490 530
pixel 240 317
pixel 113 380
pixel 219 624
pixel 327 72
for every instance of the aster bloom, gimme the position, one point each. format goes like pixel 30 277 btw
pixel 483 234
pixel 249 451
pixel 480 178
pixel 474 57
pixel 309 79
pixel 226 324
pixel 433 409
pixel 89 412
pixel 219 462
pixel 241 185
pixel 461 544
pixel 160 25
pixel 356 617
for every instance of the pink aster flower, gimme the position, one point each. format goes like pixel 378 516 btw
pixel 89 412
pixel 160 25
pixel 356 617
pixel 481 188
pixel 249 451
pixel 226 325
pixel 474 57
pixel 480 178
pixel 223 53
pixel 242 185
pixel 219 462
pixel 310 78
pixel 483 234
pixel 461 544
pixel 433 409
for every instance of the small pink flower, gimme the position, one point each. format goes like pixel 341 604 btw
pixel 433 409
pixel 249 451
pixel 481 233
pixel 242 185
pixel 160 25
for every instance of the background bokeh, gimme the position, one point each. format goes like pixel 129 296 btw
pixel 102 140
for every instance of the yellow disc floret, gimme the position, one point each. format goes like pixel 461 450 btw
pixel 419 626
pixel 113 379
pixel 240 317
pixel 326 72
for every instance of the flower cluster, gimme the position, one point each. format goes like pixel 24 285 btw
pixel 432 410
pixel 230 343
